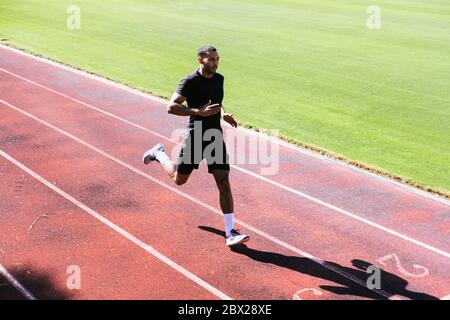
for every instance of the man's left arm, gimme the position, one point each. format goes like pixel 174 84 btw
pixel 228 117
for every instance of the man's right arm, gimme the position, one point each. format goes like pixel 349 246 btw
pixel 176 107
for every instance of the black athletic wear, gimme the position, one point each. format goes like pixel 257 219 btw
pixel 198 90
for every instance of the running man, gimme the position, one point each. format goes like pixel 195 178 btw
pixel 203 92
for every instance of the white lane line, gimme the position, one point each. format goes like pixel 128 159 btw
pixel 119 230
pixel 11 279
pixel 404 188
pixel 356 217
pixel 199 202
pixel 257 176
pixel 397 185
pixel 87 105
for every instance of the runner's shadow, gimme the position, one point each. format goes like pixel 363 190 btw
pixel 390 283
pixel 39 283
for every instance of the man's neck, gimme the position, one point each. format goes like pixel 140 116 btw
pixel 205 74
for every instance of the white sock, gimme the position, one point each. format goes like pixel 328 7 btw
pixel 162 157
pixel 229 223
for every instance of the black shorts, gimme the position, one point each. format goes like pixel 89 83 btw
pixel 214 152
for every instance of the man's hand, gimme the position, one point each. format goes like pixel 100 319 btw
pixel 208 109
pixel 228 117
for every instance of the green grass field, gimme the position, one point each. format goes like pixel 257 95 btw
pixel 311 69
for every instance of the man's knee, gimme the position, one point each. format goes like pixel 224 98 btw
pixel 179 182
pixel 180 179
pixel 222 181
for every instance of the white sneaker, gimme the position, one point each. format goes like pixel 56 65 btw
pixel 150 155
pixel 236 238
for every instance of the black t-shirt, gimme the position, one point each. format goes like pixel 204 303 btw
pixel 198 90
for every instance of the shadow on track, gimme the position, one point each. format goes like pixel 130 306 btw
pixel 390 283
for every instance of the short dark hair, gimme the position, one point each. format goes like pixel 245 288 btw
pixel 204 50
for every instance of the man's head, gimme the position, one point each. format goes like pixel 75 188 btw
pixel 208 57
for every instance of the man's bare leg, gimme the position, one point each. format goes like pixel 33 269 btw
pixel 158 153
pixel 223 184
pixel 227 206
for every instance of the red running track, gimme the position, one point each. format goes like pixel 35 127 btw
pixel 74 192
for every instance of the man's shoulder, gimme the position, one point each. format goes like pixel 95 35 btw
pixel 192 75
pixel 196 75
pixel 219 76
